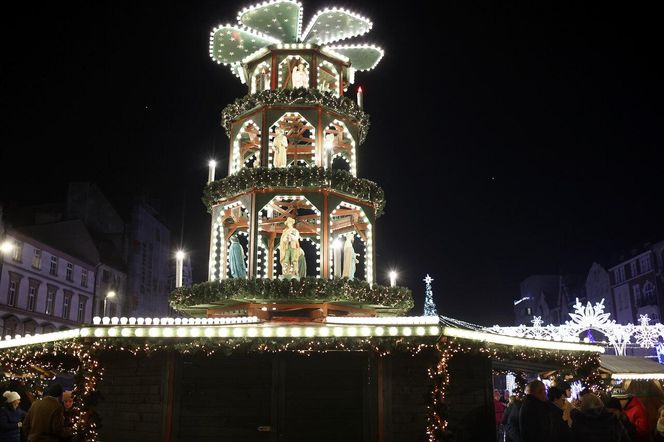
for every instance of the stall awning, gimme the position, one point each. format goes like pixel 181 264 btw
pixel 631 367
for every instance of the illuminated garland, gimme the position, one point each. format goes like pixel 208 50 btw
pixel 294 177
pixel 60 357
pixel 520 381
pixel 299 96
pixel 305 289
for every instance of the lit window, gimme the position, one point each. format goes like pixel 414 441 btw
pixel 36 259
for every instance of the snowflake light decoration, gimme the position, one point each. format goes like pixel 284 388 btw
pixel 589 316
pixel 592 317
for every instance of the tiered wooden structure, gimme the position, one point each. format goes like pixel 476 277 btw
pixel 268 60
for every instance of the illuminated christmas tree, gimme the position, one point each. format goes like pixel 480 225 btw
pixel 429 305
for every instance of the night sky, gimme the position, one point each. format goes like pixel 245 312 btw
pixel 510 140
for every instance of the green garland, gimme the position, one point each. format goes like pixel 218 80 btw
pixel 306 289
pixel 299 96
pixel 296 177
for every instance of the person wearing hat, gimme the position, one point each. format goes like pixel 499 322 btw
pixel 10 418
pixel 45 421
pixel 636 413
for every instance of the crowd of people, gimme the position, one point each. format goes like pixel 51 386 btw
pixel 552 417
pixel 49 419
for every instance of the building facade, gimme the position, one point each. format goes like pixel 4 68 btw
pixel 43 288
pixel 149 261
pixel 636 285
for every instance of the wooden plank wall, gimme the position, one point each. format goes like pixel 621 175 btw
pixel 132 397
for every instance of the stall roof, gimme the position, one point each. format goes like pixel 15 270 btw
pixel 631 367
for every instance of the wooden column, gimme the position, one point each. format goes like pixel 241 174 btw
pixel 325 238
pixel 253 236
pixel 170 396
pixel 319 141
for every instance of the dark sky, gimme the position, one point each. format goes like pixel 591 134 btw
pixel 510 139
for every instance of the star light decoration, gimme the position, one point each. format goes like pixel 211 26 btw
pixel 591 317
pixel 279 22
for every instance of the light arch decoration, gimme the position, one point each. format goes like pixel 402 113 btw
pixel 338 142
pixel 261 77
pixel 350 218
pixel 271 219
pixel 328 78
pixel 246 147
pixel 231 219
pixel 288 70
pixel 301 135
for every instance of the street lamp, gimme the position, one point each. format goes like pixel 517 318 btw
pixel 6 247
pixel 179 259
pixel 212 164
pixel 111 295
pixel 393 278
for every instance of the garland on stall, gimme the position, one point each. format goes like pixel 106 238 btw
pixel 304 96
pixel 299 177
pixel 34 367
pixel 305 289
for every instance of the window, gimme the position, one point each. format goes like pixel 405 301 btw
pixel 29 328
pixel 644 261
pixel 82 300
pixel 84 278
pixel 66 305
pixel 32 297
pixel 619 274
pixel 54 266
pixel 11 324
pixel 50 299
pixel 70 272
pixel 632 266
pixel 649 293
pixel 11 293
pixel 17 253
pixel 105 276
pixel 36 259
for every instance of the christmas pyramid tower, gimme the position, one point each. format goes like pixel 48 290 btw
pixel 293 226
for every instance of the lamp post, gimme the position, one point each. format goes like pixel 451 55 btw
pixel 6 247
pixel 179 264
pixel 111 295
pixel 212 164
pixel 393 278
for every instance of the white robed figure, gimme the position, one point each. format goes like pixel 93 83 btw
pixel 300 76
pixel 280 148
pixel 289 250
pixel 350 258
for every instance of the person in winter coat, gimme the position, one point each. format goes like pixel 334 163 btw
pixel 613 406
pixel 511 420
pixel 45 421
pixel 637 415
pixel 535 417
pixel 10 418
pixel 658 436
pixel 557 400
pixel 594 423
